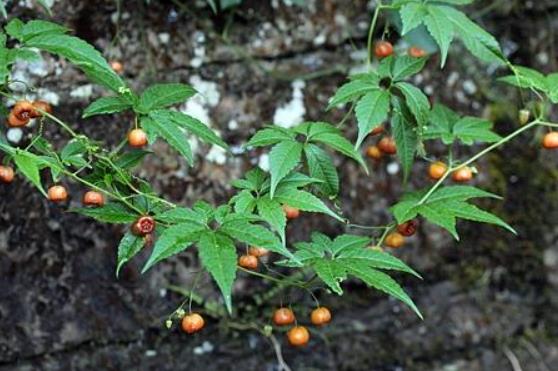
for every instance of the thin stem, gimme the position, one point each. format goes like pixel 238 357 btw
pixel 377 11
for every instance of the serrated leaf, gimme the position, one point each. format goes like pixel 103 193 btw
pixel 269 136
pixel 180 215
pixel 412 16
pixel 191 124
pixel 109 213
pixel 347 242
pixel 405 66
pixel 353 90
pixel 272 212
pixel 171 132
pixel 331 273
pixel 406 141
pixel 370 110
pixel 467 211
pixel 128 247
pixel 244 202
pixel 374 259
pixel 304 201
pixel 472 129
pixel 25 31
pixel 131 159
pixel 315 128
pixel 82 55
pixel 218 256
pixel 440 124
pixel 441 29
pixel 440 216
pixel 341 145
pixel 172 241
pixel 320 165
pixel 416 101
pixel 283 158
pixel 382 282
pixel 164 95
pixel 106 105
pixel 29 165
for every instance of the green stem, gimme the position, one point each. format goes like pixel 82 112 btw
pixel 377 11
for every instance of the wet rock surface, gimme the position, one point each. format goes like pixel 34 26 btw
pixel 489 301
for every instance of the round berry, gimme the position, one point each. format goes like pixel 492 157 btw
pixel 291 212
pixel 15 122
pixel 24 110
pixel 524 116
pixel 41 105
pixel 437 170
pixel 258 252
pixel 6 174
pixel 57 193
pixel 143 226
pixel 377 130
pixel 248 262
pixel 387 145
pixel 374 152
pixel 298 336
pixel 383 49
pixel 137 138
pixel 283 317
pixel 320 316
pixel 408 229
pixel 117 66
pixel 395 240
pixel 192 323
pixel 550 140
pixel 462 175
pixel 93 198
pixel 416 52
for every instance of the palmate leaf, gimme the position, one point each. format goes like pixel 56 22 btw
pixel 218 256
pixel 244 202
pixel 304 201
pixel 340 144
pixel 353 90
pixel 331 272
pixel 371 109
pixel 167 129
pixel 283 158
pixel 406 66
pixel 164 95
pixel 444 206
pixel 270 136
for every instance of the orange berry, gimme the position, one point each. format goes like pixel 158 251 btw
pixel 374 152
pixel 41 105
pixel 93 198
pixel 377 130
pixel 15 122
pixel 387 145
pixel 6 174
pixel 258 252
pixel 550 140
pixel 283 317
pixel 137 138
pixel 383 49
pixel 437 170
pixel 462 175
pixel 192 323
pixel 408 229
pixel 416 52
pixel 248 262
pixel 144 225
pixel 291 212
pixel 394 240
pixel 298 336
pixel 24 110
pixel 320 316
pixel 57 193
pixel 117 66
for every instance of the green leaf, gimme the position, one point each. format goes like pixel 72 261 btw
pixel 372 258
pixel 353 90
pixel 441 29
pixel 437 214
pixel 331 273
pixel 172 241
pixel 304 201
pixel 382 282
pixel 81 54
pixel 272 212
pixel 131 159
pixel 171 132
pixel 164 95
pixel 29 165
pixel 25 31
pixel 371 110
pixel 416 101
pixel 269 136
pixel 180 215
pixel 440 124
pixel 320 165
pixel 341 145
pixel 109 213
pixel 244 202
pixel 283 158
pixel 3 9
pixel 525 77
pixel 406 66
pixel 192 125
pixel 472 129
pixel 218 256
pixel 106 105
pixel 45 6
pixel 406 140
pixel 4 59
pixel 128 247
pixel 467 211
pixel 346 242
pixel 412 16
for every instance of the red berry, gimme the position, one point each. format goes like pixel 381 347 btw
pixel 15 122
pixel 24 110
pixel 383 49
pixel 57 193
pixel 291 212
pixel 550 140
pixel 283 317
pixel 143 226
pixel 387 145
pixel 320 316
pixel 377 130
pixel 462 175
pixel 408 229
pixel 416 52
pixel 41 105
pixel 93 198
pixel 137 138
pixel 192 323
pixel 298 336
pixel 6 174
